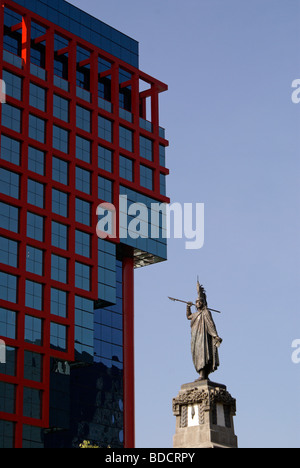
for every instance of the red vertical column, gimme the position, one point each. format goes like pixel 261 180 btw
pixel 26 35
pixel 128 343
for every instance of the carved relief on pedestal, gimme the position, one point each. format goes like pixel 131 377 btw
pixel 193 401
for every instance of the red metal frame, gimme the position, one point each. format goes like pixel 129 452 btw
pixel 137 102
pixel 128 342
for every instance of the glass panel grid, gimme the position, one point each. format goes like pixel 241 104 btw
pixel 59 268
pixel 10 150
pixel 35 227
pixel 105 189
pixel 83 212
pixel 36 161
pixel 146 177
pixel 83 119
pixel 8 252
pixel 83 149
pixel 37 97
pixel 13 85
pixel 82 276
pixel 126 139
pixel 61 108
pixel 105 128
pixel 83 180
pixel 59 302
pixel 34 260
pixel 9 183
pixel 37 129
pixel 34 295
pixel 11 117
pixel 8 287
pixel 105 159
pixel 126 168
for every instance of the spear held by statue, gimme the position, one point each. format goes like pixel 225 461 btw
pixel 189 303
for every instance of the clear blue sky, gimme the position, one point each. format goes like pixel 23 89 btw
pixel 235 146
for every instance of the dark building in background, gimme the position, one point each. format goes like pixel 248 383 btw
pixel 74 133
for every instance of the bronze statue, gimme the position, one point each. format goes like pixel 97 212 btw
pixel 205 339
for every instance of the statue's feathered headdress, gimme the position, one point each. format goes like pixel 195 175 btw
pixel 201 293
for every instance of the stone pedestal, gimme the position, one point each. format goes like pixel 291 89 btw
pixel 204 416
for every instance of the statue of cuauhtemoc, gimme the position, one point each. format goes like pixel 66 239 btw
pixel 205 340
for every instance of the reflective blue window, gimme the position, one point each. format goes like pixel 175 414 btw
pixel 83 243
pixel 9 368
pixel 33 366
pixel 59 235
pixel 84 328
pixel 105 159
pixel 146 177
pixel 7 434
pixel 82 276
pixel 8 322
pixel 59 302
pixel 8 252
pixel 34 295
pixel 35 227
pixel 58 337
pixel 36 161
pixel 13 85
pixel 162 155
pixel 10 150
pixel 105 129
pixel 104 88
pixel 163 189
pixel 60 203
pixel 61 108
pixel 60 61
pixel 37 97
pixel 37 129
pixel 60 139
pixel 83 119
pixel 83 81
pixel 60 171
pixel 108 328
pixel 7 397
pixel 9 183
pixel 9 217
pixel 146 148
pixel 34 260
pixel 61 66
pixel 11 117
pixel 38 54
pixel 37 30
pixel 32 437
pixel 83 212
pixel 59 269
pixel 33 330
pixel 36 70
pixel 32 403
pixel 8 287
pixel 126 139
pixel 12 40
pixel 126 168
pixel 83 149
pixel 105 189
pixel 83 180
pixel 35 194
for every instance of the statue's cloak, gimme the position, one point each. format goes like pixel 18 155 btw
pixel 204 345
